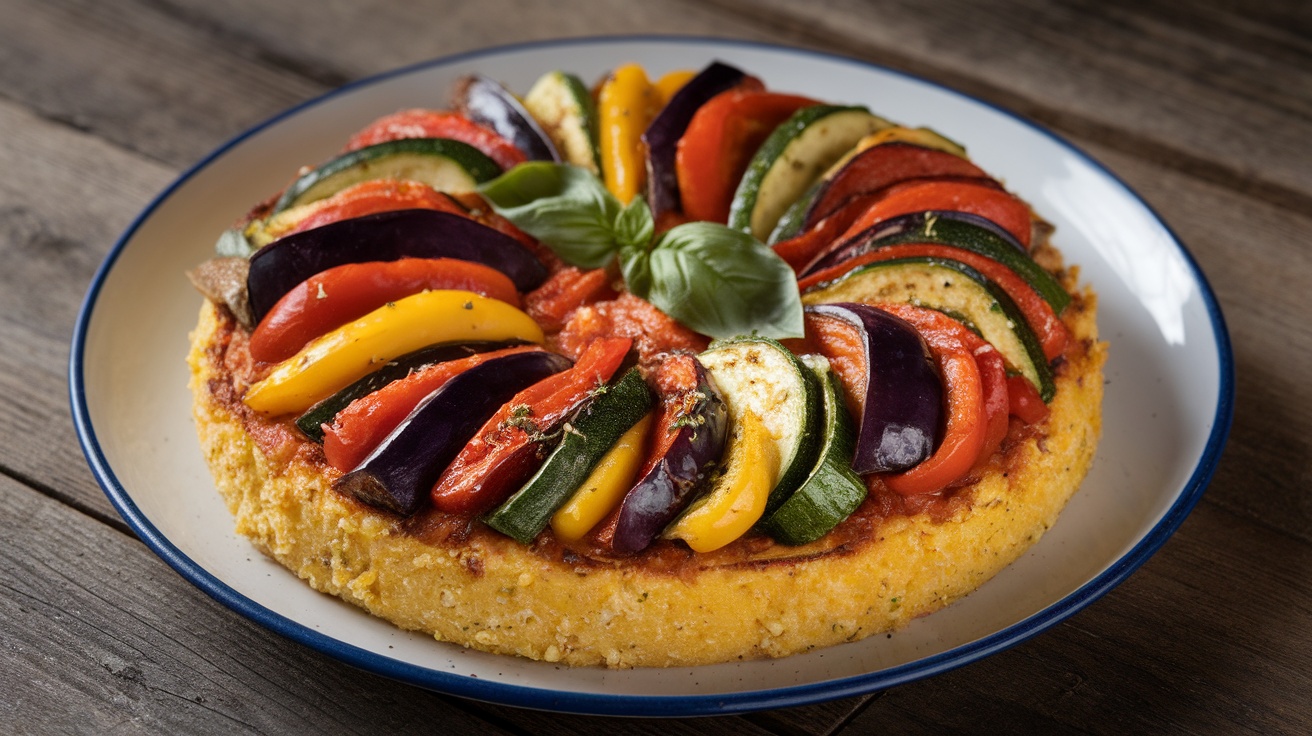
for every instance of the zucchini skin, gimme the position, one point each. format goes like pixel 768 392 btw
pixel 588 437
pixel 800 462
pixel 832 491
pixel 1031 361
pixel 476 164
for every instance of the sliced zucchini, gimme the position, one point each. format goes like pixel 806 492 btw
pixel 832 491
pixel 562 105
pixel 957 232
pixel 792 158
pixel 444 164
pixel 586 439
pixel 952 287
pixel 759 375
pixel 794 218
pixel 923 137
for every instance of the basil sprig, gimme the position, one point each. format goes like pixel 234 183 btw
pixel 715 280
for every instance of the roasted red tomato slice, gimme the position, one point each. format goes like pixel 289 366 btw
pixel 438 124
pixel 378 195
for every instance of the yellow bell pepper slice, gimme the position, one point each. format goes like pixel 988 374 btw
pixel 670 83
pixel 334 360
pixel 736 500
pixel 605 487
pixel 626 104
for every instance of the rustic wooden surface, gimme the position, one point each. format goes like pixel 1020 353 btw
pixel 1204 108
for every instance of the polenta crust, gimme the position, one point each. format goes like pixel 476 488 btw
pixel 490 593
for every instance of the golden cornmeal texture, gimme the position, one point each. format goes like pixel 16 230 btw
pixel 490 593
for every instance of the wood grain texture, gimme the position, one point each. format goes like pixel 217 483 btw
pixel 1211 91
pixel 1210 636
pixel 100 636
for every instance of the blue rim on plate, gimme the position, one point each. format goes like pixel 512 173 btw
pixel 624 704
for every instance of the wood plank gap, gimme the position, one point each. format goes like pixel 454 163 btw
pixel 249 47
pixel 857 711
pixel 1129 142
pixel 113 521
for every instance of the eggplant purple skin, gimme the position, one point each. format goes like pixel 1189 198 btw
pixel 871 238
pixel 313 421
pixel 669 487
pixel 385 236
pixel 663 134
pixel 904 393
pixel 399 474
pixel 487 103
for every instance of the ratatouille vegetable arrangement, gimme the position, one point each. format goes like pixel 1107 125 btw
pixel 689 308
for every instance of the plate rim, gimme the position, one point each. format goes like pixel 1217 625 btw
pixel 647 705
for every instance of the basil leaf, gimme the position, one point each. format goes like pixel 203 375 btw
pixel 635 226
pixel 722 283
pixel 635 265
pixel 564 206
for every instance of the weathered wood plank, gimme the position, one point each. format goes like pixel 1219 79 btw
pixel 99 636
pixel 1208 89
pixel 137 77
pixel 65 200
pixel 1210 636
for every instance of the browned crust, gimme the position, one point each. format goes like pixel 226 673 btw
pixel 470 586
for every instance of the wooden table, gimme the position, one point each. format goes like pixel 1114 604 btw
pixel 1205 109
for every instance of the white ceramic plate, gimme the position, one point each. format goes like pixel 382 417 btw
pixel 1167 412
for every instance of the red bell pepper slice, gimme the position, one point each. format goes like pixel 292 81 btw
pixel 552 303
pixel 997 399
pixel 801 249
pixel 1026 404
pixel 967 424
pixel 332 298
pixel 1051 331
pixel 985 200
pixel 884 165
pixel 719 143
pixel 438 124
pixel 505 450
pixel 366 422
pixel 378 195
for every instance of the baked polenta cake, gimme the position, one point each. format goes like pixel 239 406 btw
pixel 658 372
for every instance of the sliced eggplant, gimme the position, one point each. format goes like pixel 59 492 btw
pixel 956 289
pixel 832 491
pixel 312 421
pixel 385 236
pixel 662 135
pixel 959 229
pixel 487 102
pixel 690 440
pixel 759 375
pixel 222 280
pixel 399 473
pixel 444 164
pixel 590 435
pixel 903 396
